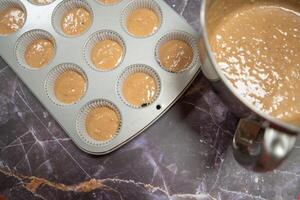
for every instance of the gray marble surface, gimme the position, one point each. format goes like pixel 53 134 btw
pixel 186 155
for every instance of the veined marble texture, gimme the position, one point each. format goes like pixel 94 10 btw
pixel 186 155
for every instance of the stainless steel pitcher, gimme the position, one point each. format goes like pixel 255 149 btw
pixel 261 142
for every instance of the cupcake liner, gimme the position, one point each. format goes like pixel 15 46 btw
pixel 54 74
pixel 64 7
pixel 183 36
pixel 150 4
pixel 40 4
pixel 134 69
pixel 81 121
pixel 13 4
pixel 98 36
pixel 25 40
pixel 108 4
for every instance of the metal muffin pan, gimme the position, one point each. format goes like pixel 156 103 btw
pixel 102 85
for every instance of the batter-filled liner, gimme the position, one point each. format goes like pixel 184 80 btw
pixel 145 7
pixel 183 37
pixel 141 69
pixel 13 16
pixel 55 74
pixel 77 7
pixel 108 57
pixel 84 115
pixel 29 38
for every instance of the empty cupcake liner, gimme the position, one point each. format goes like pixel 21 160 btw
pixel 150 4
pixel 99 36
pixel 82 116
pixel 183 36
pixel 64 7
pixel 134 69
pixel 108 4
pixel 4 4
pixel 41 2
pixel 54 74
pixel 25 40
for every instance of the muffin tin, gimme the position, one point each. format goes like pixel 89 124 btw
pixel 102 87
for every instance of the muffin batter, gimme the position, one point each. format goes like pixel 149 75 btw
pixel 109 1
pixel 258 48
pixel 142 22
pixel 107 54
pixel 42 2
pixel 11 20
pixel 39 53
pixel 139 89
pixel 102 123
pixel 69 87
pixel 76 21
pixel 175 55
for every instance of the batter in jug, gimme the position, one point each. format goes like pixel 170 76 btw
pixel 257 47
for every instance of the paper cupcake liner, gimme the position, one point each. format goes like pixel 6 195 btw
pixel 54 74
pixel 64 7
pixel 25 40
pixel 13 4
pixel 134 69
pixel 41 3
pixel 183 36
pixel 150 4
pixel 98 36
pixel 81 121
pixel 108 4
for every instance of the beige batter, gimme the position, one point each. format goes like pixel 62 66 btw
pixel 39 53
pixel 108 2
pixel 69 87
pixel 11 20
pixel 139 89
pixel 76 21
pixel 258 48
pixel 42 2
pixel 175 55
pixel 142 22
pixel 107 54
pixel 102 123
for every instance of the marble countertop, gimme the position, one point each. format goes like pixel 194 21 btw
pixel 186 155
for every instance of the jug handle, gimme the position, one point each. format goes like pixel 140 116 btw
pixel 259 148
